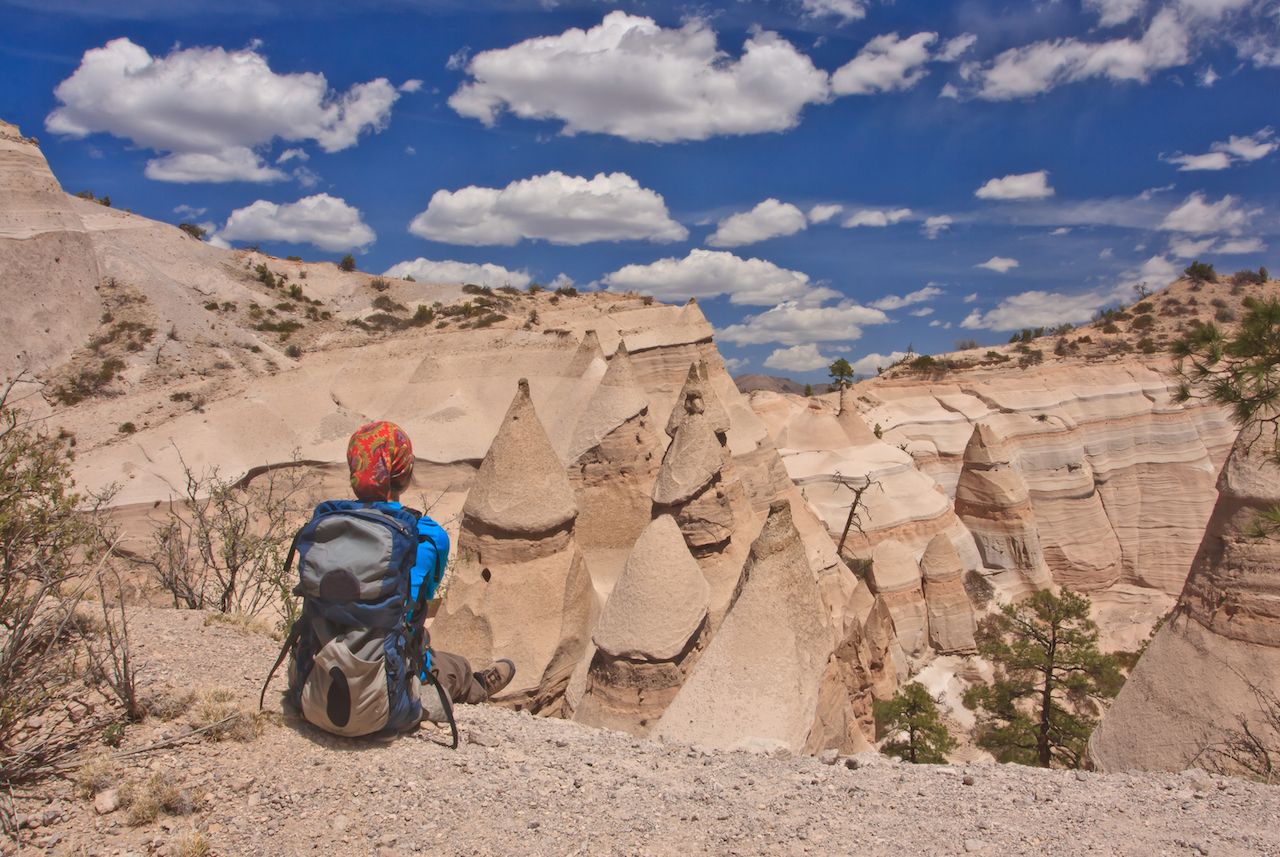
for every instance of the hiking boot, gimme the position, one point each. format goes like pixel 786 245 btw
pixel 496 677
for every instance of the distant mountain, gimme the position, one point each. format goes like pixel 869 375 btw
pixel 774 384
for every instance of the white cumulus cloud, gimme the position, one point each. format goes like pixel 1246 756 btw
pixel 872 363
pixel 1198 216
pixel 999 264
pixel 823 212
pixel 1227 153
pixel 323 220
pixel 1049 309
pixel 451 272
pixel 1113 12
pixel 208 110
pixel 798 358
pixel 553 207
pixel 935 226
pixel 1032 69
pixel 1240 246
pixel 629 77
pixel 892 302
pixel 708 273
pixel 876 217
pixel 792 323
pixel 1018 186
pixel 885 64
pixel 769 219
pixel 845 10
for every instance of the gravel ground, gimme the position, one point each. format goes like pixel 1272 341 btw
pixel 526 785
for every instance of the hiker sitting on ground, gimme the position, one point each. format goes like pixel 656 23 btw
pixel 380 457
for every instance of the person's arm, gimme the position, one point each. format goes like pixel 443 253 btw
pixel 433 555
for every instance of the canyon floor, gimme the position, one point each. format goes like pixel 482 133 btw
pixel 527 785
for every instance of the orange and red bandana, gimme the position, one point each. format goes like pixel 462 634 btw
pixel 380 457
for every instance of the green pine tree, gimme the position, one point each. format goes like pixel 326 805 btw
pixel 912 719
pixel 841 373
pixel 1050 680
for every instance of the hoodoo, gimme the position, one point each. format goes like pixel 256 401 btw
pixel 645 640
pixel 895 579
pixel 757 684
pixel 951 618
pixel 518 565
pixel 1213 670
pixel 993 502
pixel 697 382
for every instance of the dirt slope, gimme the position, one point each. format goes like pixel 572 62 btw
pixel 525 785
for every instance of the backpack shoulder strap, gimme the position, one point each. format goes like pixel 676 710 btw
pixel 294 631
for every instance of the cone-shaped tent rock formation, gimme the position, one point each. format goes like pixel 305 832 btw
pixel 614 458
pixel 757 684
pixel 618 398
pixel 518 564
pixel 697 382
pixel 521 487
pixel 852 422
pixel 1214 667
pixel 993 501
pixel 895 579
pixel 648 632
pixel 951 618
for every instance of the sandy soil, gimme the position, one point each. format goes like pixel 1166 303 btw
pixel 526 785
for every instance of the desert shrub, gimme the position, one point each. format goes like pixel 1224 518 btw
pixel 1110 327
pixel 221 545
pixel 966 344
pixel 223 718
pixel 267 278
pixel 295 292
pixel 386 304
pixel 1147 345
pixel 534 288
pixel 1200 272
pixel 914 726
pixel 508 290
pixel 996 357
pixel 422 316
pixel 1248 278
pixel 88 382
pixel 211 306
pixel 1218 302
pixel 473 289
pixel 1143 307
pixel 127 428
pixel 925 363
pixel 1224 316
pixel 52 545
pixel 378 284
pixel 348 263
pixel 196 232
pixel 159 794
pixel 293 352
pixel 1031 358
pixel 285 328
pixel 566 292
pixel 1143 322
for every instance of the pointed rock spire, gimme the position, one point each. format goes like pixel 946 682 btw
pixel 986 448
pixel 659 600
pixel 691 313
pixel 757 684
pixel 697 381
pixel 851 421
pixel 618 398
pixel 588 352
pixel 692 461
pixel 521 486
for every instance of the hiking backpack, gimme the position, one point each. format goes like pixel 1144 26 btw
pixel 358 651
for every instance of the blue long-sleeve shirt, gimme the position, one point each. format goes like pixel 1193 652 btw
pixel 433 555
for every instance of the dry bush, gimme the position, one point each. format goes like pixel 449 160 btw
pixel 159 794
pixel 96 774
pixel 225 719
pixel 51 546
pixel 192 843
pixel 222 545
pixel 244 624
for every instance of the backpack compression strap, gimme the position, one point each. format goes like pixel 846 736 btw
pixel 446 704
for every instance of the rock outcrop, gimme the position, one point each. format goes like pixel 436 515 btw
pixel 520 588
pixel 895 580
pixel 993 502
pixel 757 685
pixel 951 617
pixel 1213 670
pixel 697 382
pixel 648 633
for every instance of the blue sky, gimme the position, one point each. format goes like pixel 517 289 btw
pixel 829 177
